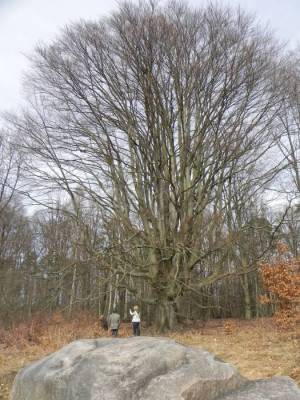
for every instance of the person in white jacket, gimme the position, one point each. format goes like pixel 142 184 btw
pixel 136 321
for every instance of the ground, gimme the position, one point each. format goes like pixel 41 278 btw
pixel 257 348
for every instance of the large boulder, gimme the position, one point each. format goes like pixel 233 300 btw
pixel 140 368
pixel 277 388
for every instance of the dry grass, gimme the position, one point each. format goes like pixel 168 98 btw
pixel 256 348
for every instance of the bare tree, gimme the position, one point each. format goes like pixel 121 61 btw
pixel 10 165
pixel 150 112
pixel 288 129
pixel 16 262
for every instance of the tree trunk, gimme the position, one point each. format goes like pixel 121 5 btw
pixel 109 308
pixel 125 315
pixel 99 298
pixel 72 296
pixel 116 293
pixel 246 290
pixel 165 315
pixel 247 298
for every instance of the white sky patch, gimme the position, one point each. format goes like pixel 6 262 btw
pixel 281 15
pixel 24 23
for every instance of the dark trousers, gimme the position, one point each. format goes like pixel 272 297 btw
pixel 114 332
pixel 136 328
pixel 104 324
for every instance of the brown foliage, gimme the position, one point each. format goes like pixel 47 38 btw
pixel 281 279
pixel 229 327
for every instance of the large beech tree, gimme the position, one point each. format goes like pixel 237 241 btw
pixel 149 113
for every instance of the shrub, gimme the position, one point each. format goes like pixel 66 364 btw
pixel 281 280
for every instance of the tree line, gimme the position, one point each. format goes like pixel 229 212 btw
pixel 161 145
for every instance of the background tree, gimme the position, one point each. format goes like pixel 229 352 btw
pixel 10 165
pixel 288 129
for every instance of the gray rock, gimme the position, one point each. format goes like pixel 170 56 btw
pixel 126 369
pixel 140 368
pixel 277 388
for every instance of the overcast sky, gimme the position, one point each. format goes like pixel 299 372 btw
pixel 23 23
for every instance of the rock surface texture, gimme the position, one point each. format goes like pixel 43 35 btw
pixel 277 388
pixel 141 368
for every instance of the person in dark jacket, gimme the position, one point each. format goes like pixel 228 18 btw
pixel 103 323
pixel 113 322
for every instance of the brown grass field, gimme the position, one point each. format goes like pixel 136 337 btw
pixel 257 348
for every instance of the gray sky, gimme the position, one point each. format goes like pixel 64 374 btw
pixel 23 23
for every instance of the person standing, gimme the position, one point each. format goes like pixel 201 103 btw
pixel 113 322
pixel 103 323
pixel 136 321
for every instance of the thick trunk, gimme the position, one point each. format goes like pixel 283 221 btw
pixel 165 290
pixel 165 315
